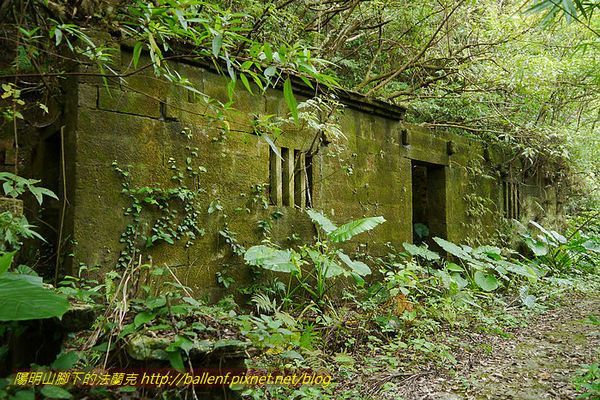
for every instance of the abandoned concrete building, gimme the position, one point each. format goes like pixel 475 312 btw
pixel 456 186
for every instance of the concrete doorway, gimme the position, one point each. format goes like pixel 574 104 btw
pixel 428 202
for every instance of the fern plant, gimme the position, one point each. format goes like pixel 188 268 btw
pixel 314 267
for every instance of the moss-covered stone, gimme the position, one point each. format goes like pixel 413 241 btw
pixel 149 120
pixel 14 206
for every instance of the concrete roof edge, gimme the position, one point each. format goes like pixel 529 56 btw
pixel 351 99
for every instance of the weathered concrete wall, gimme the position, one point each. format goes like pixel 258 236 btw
pixel 140 125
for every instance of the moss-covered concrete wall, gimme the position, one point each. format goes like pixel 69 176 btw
pixel 145 122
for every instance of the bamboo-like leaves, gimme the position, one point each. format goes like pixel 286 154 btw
pixel 290 100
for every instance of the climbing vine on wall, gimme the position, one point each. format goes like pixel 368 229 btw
pixel 162 215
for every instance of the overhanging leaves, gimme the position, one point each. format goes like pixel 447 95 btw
pixel 21 300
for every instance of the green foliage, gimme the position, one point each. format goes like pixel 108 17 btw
pixel 458 66
pixel 13 229
pixel 559 254
pixel 420 251
pixel 171 225
pixel 271 259
pixel 588 381
pixel 353 228
pixel 324 262
pixel 572 10
pixel 22 295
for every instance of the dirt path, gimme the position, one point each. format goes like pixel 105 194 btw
pixel 537 363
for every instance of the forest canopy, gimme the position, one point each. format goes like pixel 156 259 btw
pixel 401 196
pixel 522 73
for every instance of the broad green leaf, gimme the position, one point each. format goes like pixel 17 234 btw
pixel 23 395
pixel 519 269
pixel 292 355
pixel 546 232
pixel 592 245
pixel 268 52
pixel 489 251
pixel 65 361
pixel 246 83
pixel 329 268
pixel 40 192
pixel 231 89
pixel 270 258
pixel 421 251
pixel 454 267
pixel 321 220
pixel 143 318
pixel 353 228
pixel 486 281
pixel 288 94
pixel 270 71
pixel 452 248
pixel 271 144
pixel 421 230
pixel 460 281
pixel 6 261
pixel 447 280
pixel 31 279
pixel 358 267
pixel 558 237
pixel 529 301
pixel 181 342
pixel 176 360
pixel 55 392
pixel 21 300
pixel 538 248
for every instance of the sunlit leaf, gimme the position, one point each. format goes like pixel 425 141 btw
pixel 486 281
pixel 353 228
pixel 321 220
pixel 270 258
pixel 421 251
pixel 358 267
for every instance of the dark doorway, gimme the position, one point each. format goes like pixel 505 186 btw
pixel 428 202
pixel 46 166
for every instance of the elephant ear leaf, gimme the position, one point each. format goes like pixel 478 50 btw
pixel 538 247
pixel 357 267
pixel 322 221
pixel 453 249
pixel 270 258
pixel 353 228
pixel 330 268
pixel 592 245
pixel 22 300
pixel 420 251
pixel 485 281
